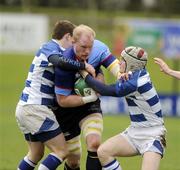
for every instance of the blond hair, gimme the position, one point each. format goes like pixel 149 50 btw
pixel 83 29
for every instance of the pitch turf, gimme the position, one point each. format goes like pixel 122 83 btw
pixel 13 70
pixel 13 147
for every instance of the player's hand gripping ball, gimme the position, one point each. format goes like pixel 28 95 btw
pixel 81 88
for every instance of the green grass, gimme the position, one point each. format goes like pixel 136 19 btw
pixel 13 146
pixel 13 72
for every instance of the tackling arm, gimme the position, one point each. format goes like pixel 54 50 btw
pixel 103 89
pixel 66 63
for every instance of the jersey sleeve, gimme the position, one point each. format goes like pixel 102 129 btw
pixel 103 89
pixel 64 82
pixel 124 88
pixel 110 62
pixel 120 89
pixel 49 49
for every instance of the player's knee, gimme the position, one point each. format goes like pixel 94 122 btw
pixel 63 153
pixel 73 163
pixel 101 151
pixel 93 142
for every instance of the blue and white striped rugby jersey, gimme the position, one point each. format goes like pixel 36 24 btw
pixel 142 99
pixel 39 85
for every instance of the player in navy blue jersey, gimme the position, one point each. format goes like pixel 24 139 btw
pixel 34 109
pixel 82 113
pixel 146 134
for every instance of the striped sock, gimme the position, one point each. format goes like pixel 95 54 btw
pixel 114 165
pixel 26 164
pixel 50 163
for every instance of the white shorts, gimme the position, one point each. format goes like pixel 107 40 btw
pixel 146 139
pixel 35 119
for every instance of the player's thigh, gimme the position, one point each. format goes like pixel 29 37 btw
pixel 92 124
pixel 151 161
pixel 57 143
pixel 117 146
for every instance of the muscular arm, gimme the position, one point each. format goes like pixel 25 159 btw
pixel 69 101
pixel 75 100
pixel 66 63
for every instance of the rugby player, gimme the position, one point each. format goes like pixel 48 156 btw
pixel 146 134
pixel 75 113
pixel 34 109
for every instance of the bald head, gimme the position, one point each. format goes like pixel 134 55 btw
pixel 85 31
pixel 83 40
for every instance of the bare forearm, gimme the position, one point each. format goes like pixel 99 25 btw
pixel 70 101
pixel 174 73
pixel 75 100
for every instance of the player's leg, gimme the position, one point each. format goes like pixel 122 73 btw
pixel 73 158
pixel 35 153
pixel 72 162
pixel 92 126
pixel 151 161
pixel 57 145
pixel 114 147
pixel 152 149
pixel 36 148
pixel 68 118
pixel 153 153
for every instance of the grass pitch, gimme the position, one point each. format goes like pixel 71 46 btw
pixel 13 146
pixel 13 72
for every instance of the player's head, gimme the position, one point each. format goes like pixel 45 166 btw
pixel 83 39
pixel 135 58
pixel 63 31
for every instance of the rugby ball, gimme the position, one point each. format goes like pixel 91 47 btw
pixel 81 88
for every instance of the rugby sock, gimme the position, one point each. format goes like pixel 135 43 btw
pixel 66 167
pixel 92 162
pixel 50 163
pixel 26 164
pixel 114 165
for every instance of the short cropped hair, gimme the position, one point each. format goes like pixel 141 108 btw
pixel 83 29
pixel 61 28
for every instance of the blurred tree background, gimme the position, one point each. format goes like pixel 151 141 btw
pixel 167 7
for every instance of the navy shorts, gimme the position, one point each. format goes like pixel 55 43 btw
pixel 44 136
pixel 69 118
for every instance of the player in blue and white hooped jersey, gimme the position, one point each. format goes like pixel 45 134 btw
pixel 34 111
pixel 146 134
pixel 78 113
